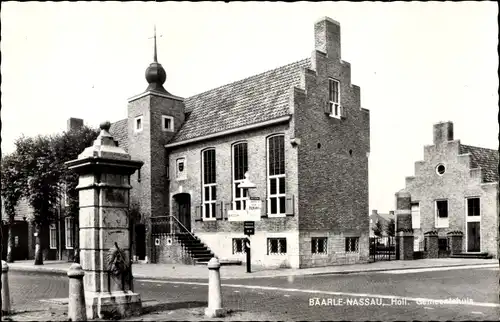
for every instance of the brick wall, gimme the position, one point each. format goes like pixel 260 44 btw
pixel 455 185
pixel 151 193
pixel 332 156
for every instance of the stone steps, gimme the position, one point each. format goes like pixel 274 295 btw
pixel 198 251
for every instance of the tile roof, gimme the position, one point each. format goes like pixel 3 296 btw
pixel 119 132
pixel 23 209
pixel 486 159
pixel 251 100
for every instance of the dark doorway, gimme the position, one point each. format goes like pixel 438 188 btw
pixel 473 237
pixel 184 209
pixel 140 241
pixel 20 233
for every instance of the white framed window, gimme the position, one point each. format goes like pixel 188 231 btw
pixel 180 169
pixel 138 124
pixel 52 236
pixel 276 246
pixel 334 107
pixel 352 244
pixel 441 207
pixel 167 123
pixel 319 245
pixel 68 229
pixel 276 187
pixel 239 246
pixel 240 167
pixel 209 193
pixel 415 215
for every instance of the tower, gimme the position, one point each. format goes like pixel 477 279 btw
pixel 154 117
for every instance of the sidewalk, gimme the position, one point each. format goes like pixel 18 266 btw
pixel 179 271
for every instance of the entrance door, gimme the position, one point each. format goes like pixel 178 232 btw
pixel 184 209
pixel 473 237
pixel 140 241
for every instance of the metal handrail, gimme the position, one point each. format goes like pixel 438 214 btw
pixel 172 216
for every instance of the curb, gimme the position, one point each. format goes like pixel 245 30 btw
pixel 60 271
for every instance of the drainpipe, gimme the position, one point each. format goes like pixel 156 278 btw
pixel 60 233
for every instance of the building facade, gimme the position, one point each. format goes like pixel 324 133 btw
pixel 298 131
pixel 454 191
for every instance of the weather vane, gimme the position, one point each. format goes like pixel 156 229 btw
pixel 154 37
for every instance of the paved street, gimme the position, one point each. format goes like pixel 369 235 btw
pixel 295 298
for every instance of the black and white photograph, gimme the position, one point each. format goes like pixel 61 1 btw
pixel 250 161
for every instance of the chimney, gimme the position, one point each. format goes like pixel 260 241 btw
pixel 374 212
pixel 327 37
pixel 74 124
pixel 443 132
pixel 391 212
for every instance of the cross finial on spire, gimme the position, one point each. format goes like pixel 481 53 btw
pixel 155 51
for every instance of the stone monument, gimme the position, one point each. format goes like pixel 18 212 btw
pixel 104 171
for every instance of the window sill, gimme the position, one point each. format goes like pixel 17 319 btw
pixel 276 215
pixel 209 219
pixel 277 254
pixel 53 248
pixel 69 247
pixel 320 254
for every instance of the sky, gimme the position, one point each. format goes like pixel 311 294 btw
pixel 417 63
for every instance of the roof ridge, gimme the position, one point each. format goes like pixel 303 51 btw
pixel 249 77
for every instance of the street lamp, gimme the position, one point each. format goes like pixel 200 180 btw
pixel 246 184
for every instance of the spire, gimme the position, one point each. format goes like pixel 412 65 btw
pixel 155 57
pixel 155 73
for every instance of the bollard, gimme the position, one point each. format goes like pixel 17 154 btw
pixel 214 308
pixel 76 305
pixel 5 289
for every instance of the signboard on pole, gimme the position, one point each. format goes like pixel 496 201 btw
pixel 252 213
pixel 249 228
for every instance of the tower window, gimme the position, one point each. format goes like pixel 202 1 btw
pixel 167 123
pixel 138 124
pixel 334 108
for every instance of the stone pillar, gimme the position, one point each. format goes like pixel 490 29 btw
pixel 404 225
pixel 104 171
pixel 405 244
pixel 455 238
pixel 431 244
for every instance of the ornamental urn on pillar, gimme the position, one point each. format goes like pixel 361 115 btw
pixel 104 171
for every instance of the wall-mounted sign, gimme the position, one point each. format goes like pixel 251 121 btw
pixel 157 241
pixel 249 228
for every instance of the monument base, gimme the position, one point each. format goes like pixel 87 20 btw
pixel 215 313
pixel 114 305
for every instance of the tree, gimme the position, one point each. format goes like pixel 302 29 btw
pixel 12 191
pixel 377 230
pixel 391 227
pixel 42 174
pixel 68 146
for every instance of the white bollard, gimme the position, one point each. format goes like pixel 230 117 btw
pixel 214 308
pixel 76 306
pixel 5 289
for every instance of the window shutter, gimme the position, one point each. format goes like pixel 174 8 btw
pixel 264 208
pixel 197 213
pixel 228 206
pixel 289 205
pixel 342 112
pixel 327 108
pixel 218 210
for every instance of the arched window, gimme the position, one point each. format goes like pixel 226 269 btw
pixel 276 176
pixel 240 166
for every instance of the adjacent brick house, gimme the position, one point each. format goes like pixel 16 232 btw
pixel 454 189
pixel 298 131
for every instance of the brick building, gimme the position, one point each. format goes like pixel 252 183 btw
pixel 298 131
pixel 384 220
pixel 454 191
